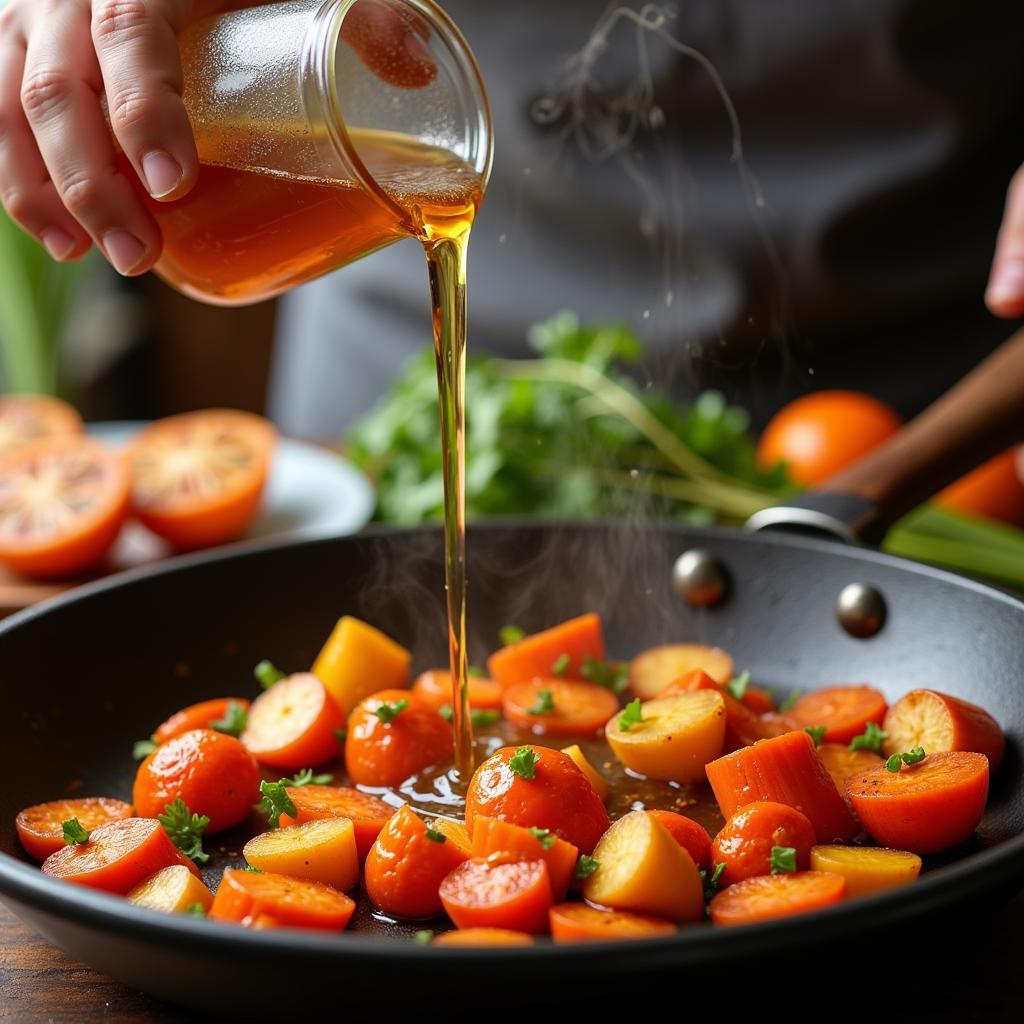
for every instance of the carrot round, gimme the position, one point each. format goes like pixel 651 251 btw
pixel 499 894
pixel 117 856
pixel 41 828
pixel 842 762
pixel 483 937
pixel 567 645
pixel 767 897
pixel 293 724
pixel 495 839
pixel 652 670
pixel 758 700
pixel 578 922
pixel 742 725
pixel 406 864
pixel 689 834
pixel 559 707
pixel 844 711
pixel 940 723
pixel 197 716
pixel 746 842
pixel 265 899
pixel 925 807
pixel 391 736
pixel 435 688
pixel 786 770
pixel 368 814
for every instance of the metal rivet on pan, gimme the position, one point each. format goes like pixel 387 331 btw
pixel 700 578
pixel 860 610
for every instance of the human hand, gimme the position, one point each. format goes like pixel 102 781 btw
pixel 1005 293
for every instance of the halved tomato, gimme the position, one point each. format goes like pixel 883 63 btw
pixel 62 503
pixel 27 418
pixel 197 478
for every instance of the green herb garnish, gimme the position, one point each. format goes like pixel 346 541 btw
pixel 790 700
pixel 388 712
pixel 267 673
pixel 509 635
pixel 612 675
pixel 305 777
pixel 816 732
pixel 252 869
pixel 524 763
pixel 547 840
pixel 911 756
pixel 234 720
pixel 446 711
pixel 436 837
pixel 481 718
pixel 737 686
pixel 782 860
pixel 340 734
pixel 74 834
pixel 586 866
pixel 143 748
pixel 870 739
pixel 710 882
pixel 185 829
pixel 196 910
pixel 560 665
pixel 423 937
pixel 632 714
pixel 477 671
pixel 276 801
pixel 543 705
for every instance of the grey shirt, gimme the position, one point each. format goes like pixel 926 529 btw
pixel 849 247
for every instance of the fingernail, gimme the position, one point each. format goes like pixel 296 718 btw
pixel 58 243
pixel 162 173
pixel 1008 282
pixel 123 250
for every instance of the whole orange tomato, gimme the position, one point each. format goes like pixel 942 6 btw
pixel 818 434
pixel 995 489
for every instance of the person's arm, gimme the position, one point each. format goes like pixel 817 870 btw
pixel 1005 293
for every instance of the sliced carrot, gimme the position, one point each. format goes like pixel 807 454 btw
pixel 247 898
pixel 483 937
pixel 652 670
pixel 787 770
pixel 742 725
pixel 406 864
pixel 689 834
pixel 842 762
pixel 759 700
pixel 746 842
pixel 571 643
pixel 940 723
pixel 358 660
pixel 495 839
pixel 435 687
pixel 578 922
pixel 294 724
pixel 197 716
pixel 171 890
pixel 594 777
pixel 117 856
pixel 867 869
pixel 767 897
pixel 559 707
pixel 926 807
pixel 456 832
pixel 41 828
pixel 844 711
pixel 368 814
pixel 25 418
pixel 392 735
pixel 499 894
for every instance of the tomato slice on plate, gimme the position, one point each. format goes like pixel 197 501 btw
pixel 197 478
pixel 62 503
pixel 26 418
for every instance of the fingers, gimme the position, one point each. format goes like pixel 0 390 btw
pixel 137 48
pixel 59 96
pixel 1005 293
pixel 27 193
pixel 389 41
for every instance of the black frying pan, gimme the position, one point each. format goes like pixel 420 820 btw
pixel 88 673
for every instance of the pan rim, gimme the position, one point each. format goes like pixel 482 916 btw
pixel 24 884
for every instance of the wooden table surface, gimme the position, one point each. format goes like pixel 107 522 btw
pixel 970 973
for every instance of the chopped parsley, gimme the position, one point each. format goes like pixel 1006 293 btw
pixel 234 720
pixel 586 866
pixel 612 675
pixel 340 734
pixel 870 739
pixel 547 840
pixel 196 910
pixel 185 829
pixel 737 686
pixel 476 670
pixel 267 673
pixel 524 763
pixel 816 732
pixel 711 881
pixel 305 777
pixel 74 834
pixel 511 635
pixel 423 937
pixel 782 860
pixel 909 757
pixel 482 718
pixel 791 698
pixel 632 714
pixel 543 705
pixel 560 665
pixel 143 748
pixel 388 712
pixel 252 869
pixel 436 837
pixel 276 801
